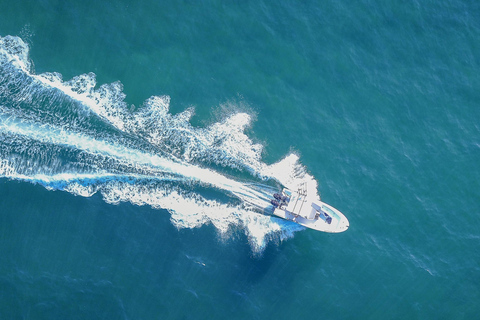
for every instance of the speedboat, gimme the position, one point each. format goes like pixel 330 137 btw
pixel 307 211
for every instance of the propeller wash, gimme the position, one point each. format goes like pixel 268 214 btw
pixel 82 138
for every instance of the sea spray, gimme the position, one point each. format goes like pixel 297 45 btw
pixel 77 137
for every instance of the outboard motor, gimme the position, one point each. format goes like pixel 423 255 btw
pixel 277 196
pixel 274 202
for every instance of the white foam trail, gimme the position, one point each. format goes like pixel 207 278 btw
pixel 187 211
pixel 194 211
pixel 59 181
pixel 15 51
pixel 224 143
pixel 56 136
pixel 221 216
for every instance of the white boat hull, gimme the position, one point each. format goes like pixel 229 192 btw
pixel 313 214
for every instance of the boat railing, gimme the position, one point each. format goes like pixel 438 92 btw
pixel 302 201
pixel 302 198
pixel 302 189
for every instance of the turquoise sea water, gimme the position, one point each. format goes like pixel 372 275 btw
pixel 133 136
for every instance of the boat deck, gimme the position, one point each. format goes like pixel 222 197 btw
pixel 311 213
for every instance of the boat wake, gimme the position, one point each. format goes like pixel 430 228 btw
pixel 77 137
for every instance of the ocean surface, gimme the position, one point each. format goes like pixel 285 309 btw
pixel 140 142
